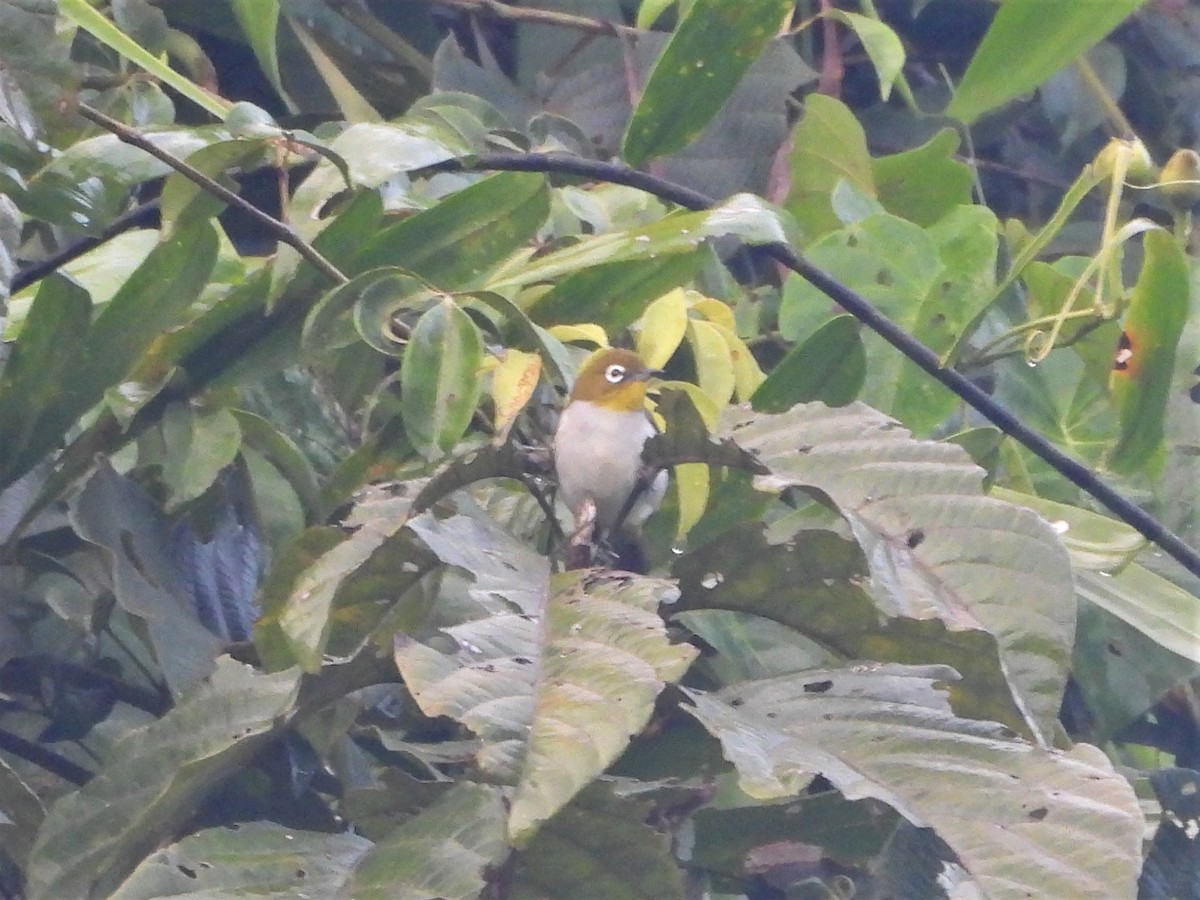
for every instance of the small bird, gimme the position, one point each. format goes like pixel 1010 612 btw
pixel 598 444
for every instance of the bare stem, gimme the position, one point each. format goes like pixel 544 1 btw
pixel 281 231
pixel 499 10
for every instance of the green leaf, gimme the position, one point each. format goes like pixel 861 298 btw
pixel 442 853
pixel 712 48
pixel 93 838
pixel 155 298
pixel 1138 638
pixel 932 281
pixel 81 13
pixel 882 45
pixel 1096 542
pixel 1043 36
pixel 1141 380
pixel 259 21
pixel 330 323
pixel 925 183
pixel 258 859
pixel 743 215
pixel 329 592
pixel 182 197
pixel 456 243
pixel 39 375
pixel 613 294
pixel 199 445
pixel 829 366
pixel 1011 813
pixel 829 146
pixel 936 547
pixel 439 378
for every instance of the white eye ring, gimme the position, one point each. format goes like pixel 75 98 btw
pixel 614 374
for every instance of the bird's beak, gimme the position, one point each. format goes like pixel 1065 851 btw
pixel 650 373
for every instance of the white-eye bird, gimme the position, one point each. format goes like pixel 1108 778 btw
pixel 599 440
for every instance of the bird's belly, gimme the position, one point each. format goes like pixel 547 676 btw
pixel 597 453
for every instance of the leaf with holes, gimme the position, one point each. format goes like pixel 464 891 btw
pixel 936 548
pixel 1022 821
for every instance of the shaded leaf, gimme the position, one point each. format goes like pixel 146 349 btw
pixel 441 853
pixel 573 854
pixel 1043 37
pixel 93 838
pixel 114 513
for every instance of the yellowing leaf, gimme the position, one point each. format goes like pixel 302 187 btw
pixel 714 362
pixel 709 411
pixel 692 483
pixel 586 333
pixel 661 328
pixel 514 380
pixel 747 375
pixel 716 312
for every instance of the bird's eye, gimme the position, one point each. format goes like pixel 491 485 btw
pixel 614 374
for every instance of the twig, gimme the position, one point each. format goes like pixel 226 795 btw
pixel 52 762
pixel 358 15
pixel 281 231
pixel 499 10
pixel 37 271
pixel 862 309
pixel 1099 90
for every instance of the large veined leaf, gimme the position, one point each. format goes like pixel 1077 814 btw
pixel 817 585
pixel 94 837
pixel 555 686
pixel 1023 821
pixel 935 546
pixel 259 859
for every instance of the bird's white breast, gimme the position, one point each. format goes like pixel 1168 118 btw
pixel 598 452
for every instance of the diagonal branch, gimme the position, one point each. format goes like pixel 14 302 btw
pixel 862 309
pixel 279 229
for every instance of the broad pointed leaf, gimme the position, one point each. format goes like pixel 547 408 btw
pixel 936 548
pixel 1022 820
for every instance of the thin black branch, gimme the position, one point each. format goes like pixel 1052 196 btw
pixel 47 759
pixel 34 272
pixel 862 309
pixel 279 229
